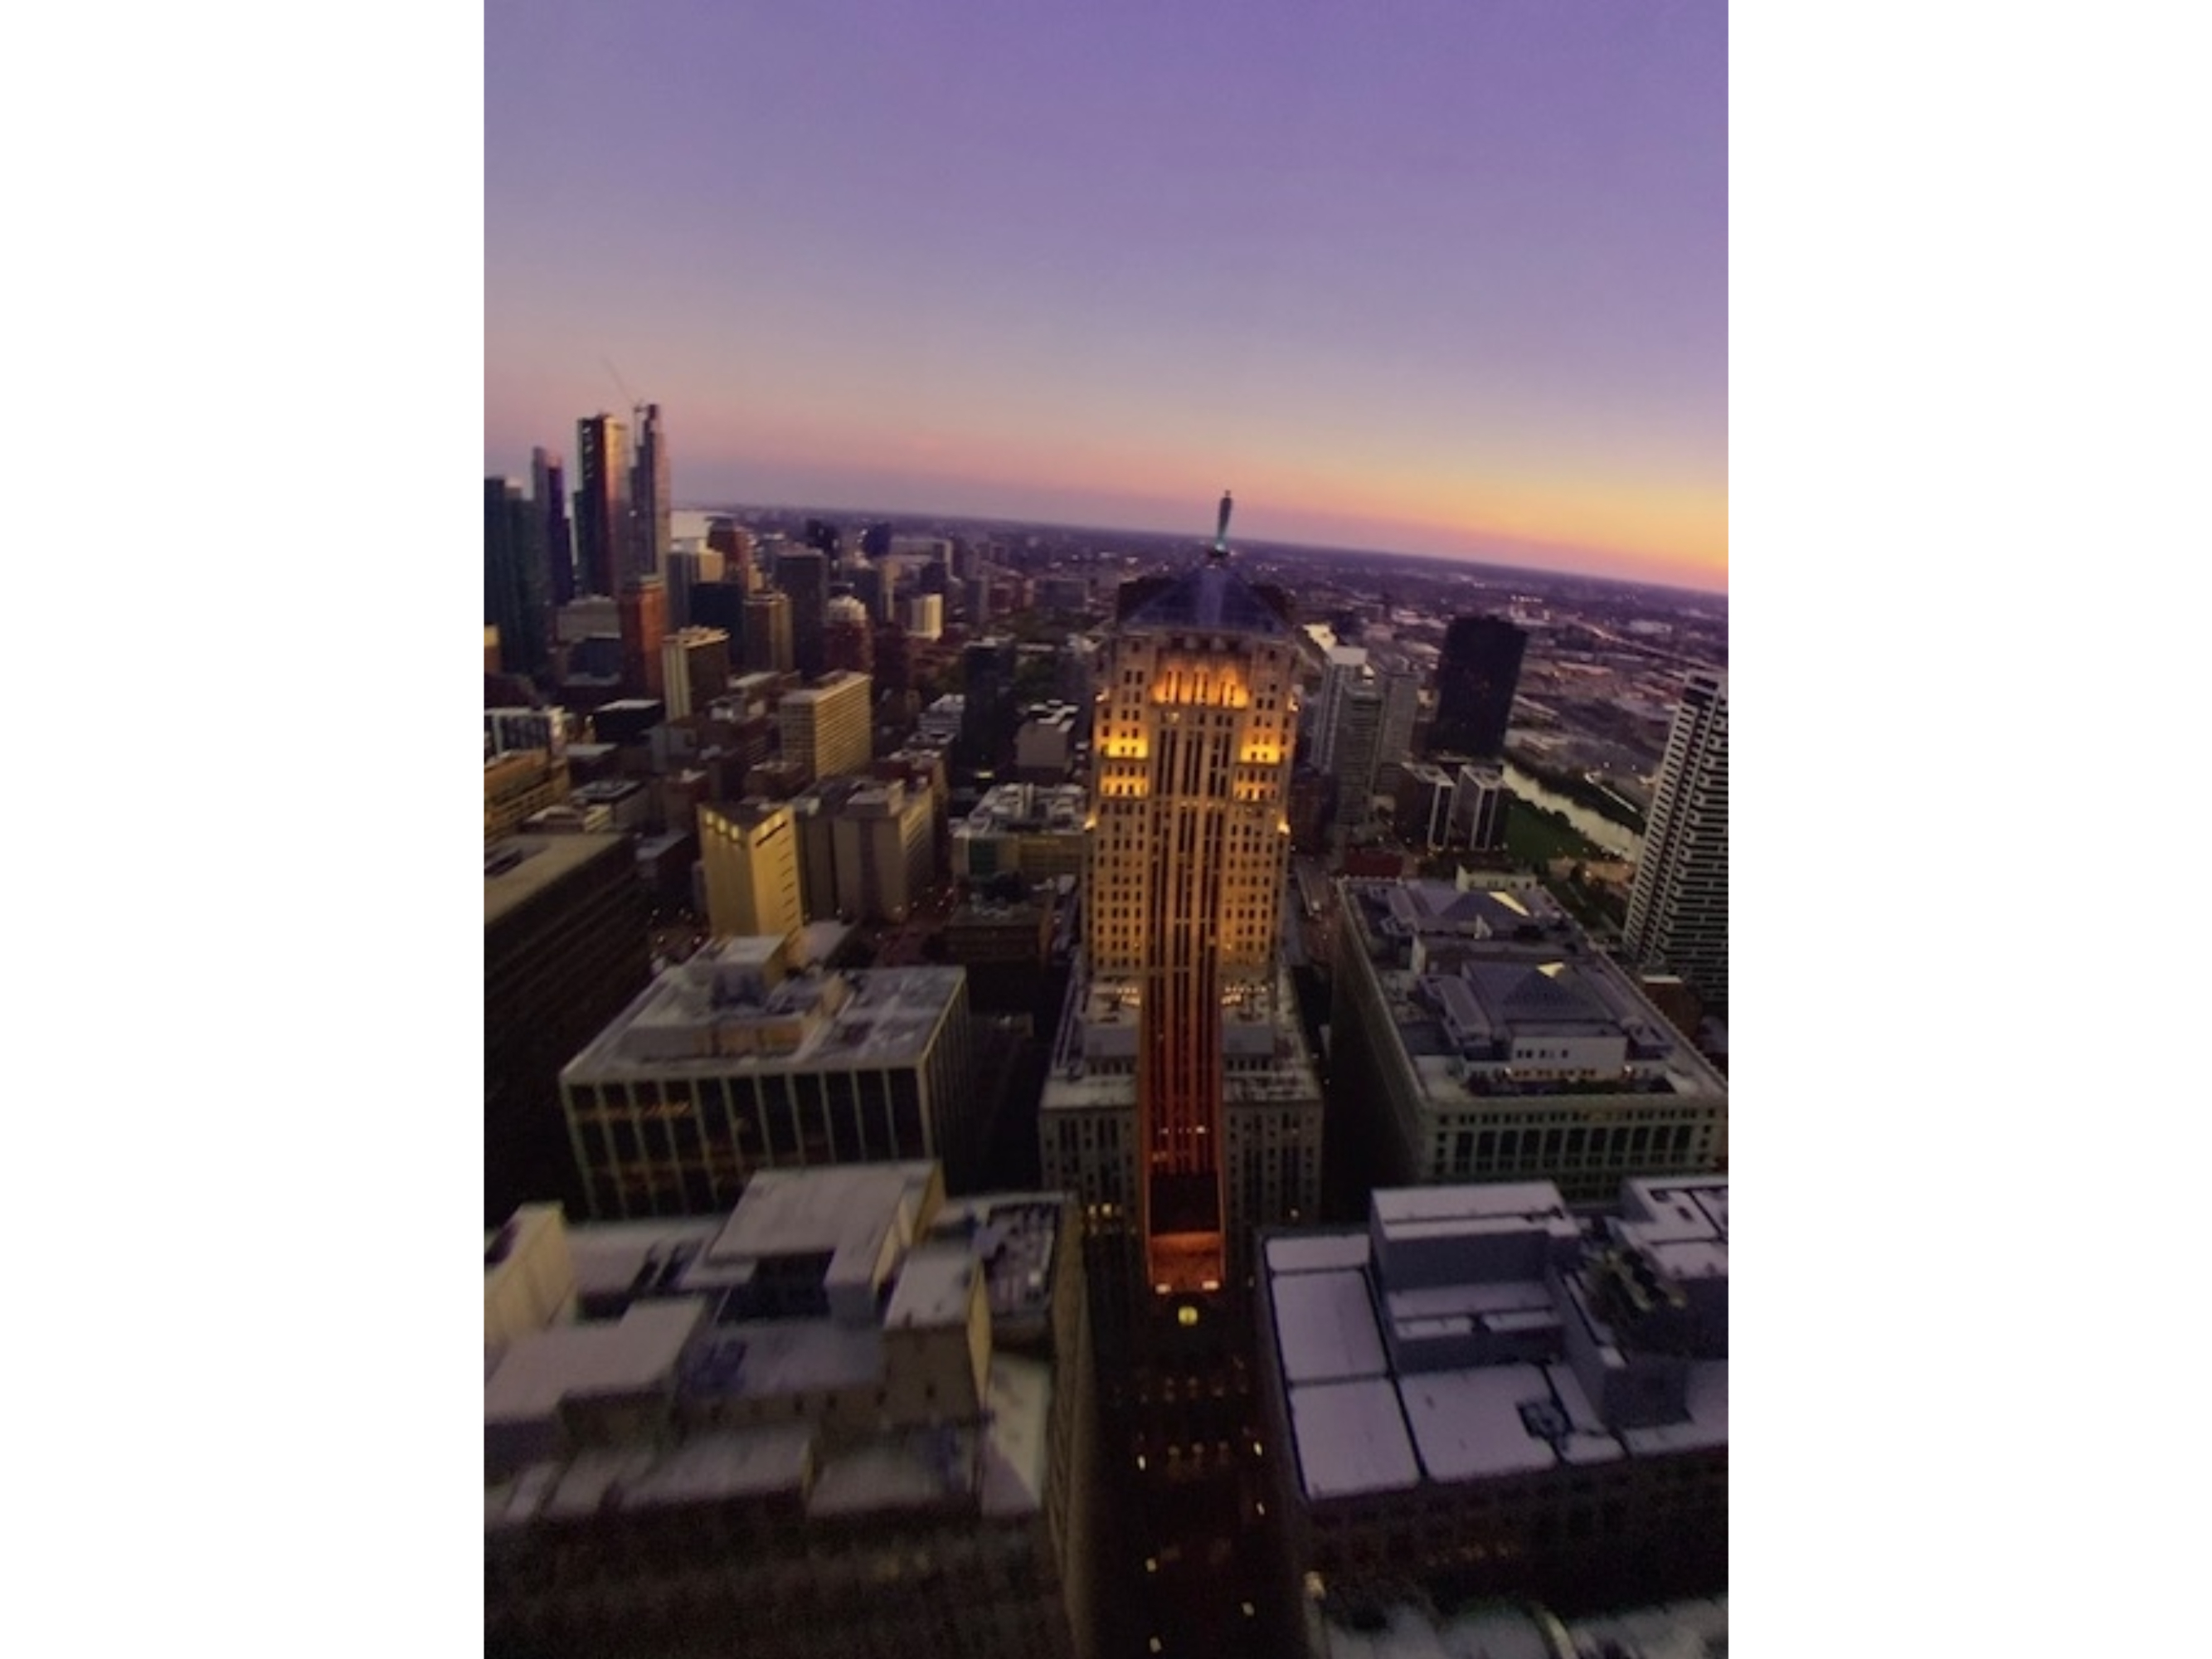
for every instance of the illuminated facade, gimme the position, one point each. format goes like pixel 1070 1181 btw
pixel 1194 729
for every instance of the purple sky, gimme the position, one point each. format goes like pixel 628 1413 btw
pixel 1437 277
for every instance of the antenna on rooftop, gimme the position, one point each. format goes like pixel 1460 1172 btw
pixel 636 408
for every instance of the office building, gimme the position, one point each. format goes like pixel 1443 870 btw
pixel 825 725
pixel 1477 1395
pixel 1031 830
pixel 695 669
pixel 1484 1039
pixel 1678 906
pixel 767 634
pixel 1480 804
pixel 925 615
pixel 867 847
pixel 1045 742
pixel 1424 816
pixel 729 1063
pixel 602 503
pixel 749 854
pixel 518 782
pixel 850 641
pixel 1345 667
pixel 1475 680
pixel 987 710
pixel 721 605
pixel 510 729
pixel 565 952
pixel 852 1417
pixel 643 610
pixel 1399 684
pixel 735 543
pixel 650 507
pixel 1182 1096
pixel 803 575
pixel 515 600
pixel 1356 751
pixel 548 491
pixel 688 567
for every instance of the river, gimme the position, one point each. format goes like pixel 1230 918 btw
pixel 1613 837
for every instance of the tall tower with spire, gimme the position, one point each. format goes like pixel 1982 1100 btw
pixel 1181 1017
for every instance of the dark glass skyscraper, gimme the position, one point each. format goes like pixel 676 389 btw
pixel 804 576
pixel 1475 680
pixel 602 502
pixel 548 491
pixel 649 492
pixel 515 576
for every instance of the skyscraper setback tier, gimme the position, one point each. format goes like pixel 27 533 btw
pixel 1476 677
pixel 602 502
pixel 1193 731
pixel 1678 905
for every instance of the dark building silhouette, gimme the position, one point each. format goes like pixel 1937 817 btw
pixel 735 544
pixel 1475 680
pixel 876 541
pixel 649 504
pixel 824 538
pixel 767 633
pixel 721 605
pixel 565 952
pixel 804 576
pixel 987 719
pixel 894 669
pixel 549 490
pixel 602 502
pixel 515 577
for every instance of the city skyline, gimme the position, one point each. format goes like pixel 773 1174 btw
pixel 1457 289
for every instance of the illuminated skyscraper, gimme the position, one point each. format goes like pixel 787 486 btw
pixel 1195 726
pixel 602 502
pixel 1677 907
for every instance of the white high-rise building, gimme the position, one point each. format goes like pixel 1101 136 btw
pixel 1347 666
pixel 1677 907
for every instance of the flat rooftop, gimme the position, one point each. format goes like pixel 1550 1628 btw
pixel 1463 1336
pixel 1028 809
pixel 705 1315
pixel 520 868
pixel 1262 1039
pixel 880 1016
pixel 1475 981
